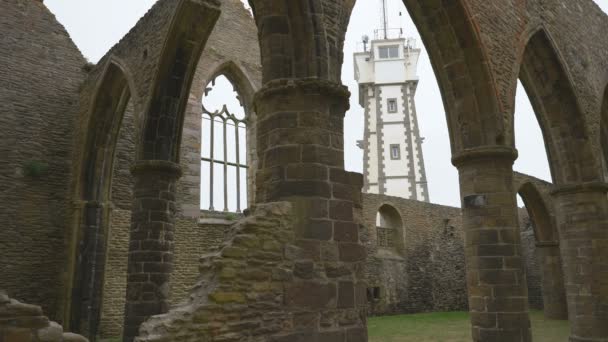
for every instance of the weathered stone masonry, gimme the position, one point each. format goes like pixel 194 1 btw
pixel 57 132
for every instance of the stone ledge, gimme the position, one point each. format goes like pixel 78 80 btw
pixel 485 153
pixel 215 221
pixel 308 86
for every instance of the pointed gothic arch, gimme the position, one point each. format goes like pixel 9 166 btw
pixel 93 190
pixel 189 31
pixel 549 87
pixel 545 230
pixel 245 167
pixel 464 77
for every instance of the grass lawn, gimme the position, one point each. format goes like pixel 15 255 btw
pixel 451 327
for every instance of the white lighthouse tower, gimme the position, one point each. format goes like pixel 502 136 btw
pixel 386 72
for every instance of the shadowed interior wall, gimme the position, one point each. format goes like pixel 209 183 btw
pixel 41 72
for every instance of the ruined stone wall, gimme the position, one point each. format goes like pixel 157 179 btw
pixel 41 71
pixel 197 237
pixel 428 273
pixel 194 234
pixel 248 289
pixel 20 322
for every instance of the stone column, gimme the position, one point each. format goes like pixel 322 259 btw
pixel 87 287
pixel 582 221
pixel 554 293
pixel 301 160
pixel 150 260
pixel 496 281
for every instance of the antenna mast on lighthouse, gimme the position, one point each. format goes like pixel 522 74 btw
pixel 384 19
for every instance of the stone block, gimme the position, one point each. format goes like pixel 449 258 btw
pixel 352 252
pixel 318 230
pixel 306 172
pixel 346 231
pixel 341 210
pixel 52 333
pixel 346 294
pixel 304 269
pixel 310 295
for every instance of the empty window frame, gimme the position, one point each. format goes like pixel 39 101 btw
pixel 389 51
pixel 373 294
pixel 395 150
pixel 224 150
pixel 389 227
pixel 391 105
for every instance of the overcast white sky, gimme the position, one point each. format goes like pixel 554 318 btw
pixel 96 25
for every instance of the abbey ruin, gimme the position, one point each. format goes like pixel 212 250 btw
pixel 103 165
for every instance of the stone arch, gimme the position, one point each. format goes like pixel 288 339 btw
pixel 164 116
pixel 549 87
pixel 389 226
pixel 242 82
pixel 157 168
pixel 111 97
pixel 294 33
pixel 474 114
pixel 545 230
pixel 547 252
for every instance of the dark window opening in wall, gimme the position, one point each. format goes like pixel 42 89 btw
pixel 224 149
pixel 395 152
pixel 392 105
pixel 373 294
pixel 391 51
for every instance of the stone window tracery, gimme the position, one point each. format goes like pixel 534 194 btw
pixel 224 164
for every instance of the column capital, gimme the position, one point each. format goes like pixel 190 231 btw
pixel 485 153
pixel 156 166
pixel 304 86
pixel 568 189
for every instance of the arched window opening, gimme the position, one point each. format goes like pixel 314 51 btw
pixel 388 227
pixel 435 179
pixel 529 141
pixel 224 164
pixel 529 237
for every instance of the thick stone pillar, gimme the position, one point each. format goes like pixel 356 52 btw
pixel 301 160
pixel 582 221
pixel 496 280
pixel 150 260
pixel 554 292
